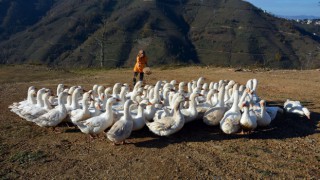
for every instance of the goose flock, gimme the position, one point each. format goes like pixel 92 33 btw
pixel 164 107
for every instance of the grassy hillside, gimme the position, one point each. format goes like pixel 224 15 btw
pixel 80 33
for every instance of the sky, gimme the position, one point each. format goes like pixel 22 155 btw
pixel 289 7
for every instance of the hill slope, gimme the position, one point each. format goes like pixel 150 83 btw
pixel 220 32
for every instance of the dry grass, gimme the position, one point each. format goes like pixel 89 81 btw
pixel 289 148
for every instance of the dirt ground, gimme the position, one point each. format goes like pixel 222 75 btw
pixel 288 148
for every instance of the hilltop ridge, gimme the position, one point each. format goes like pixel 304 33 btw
pixel 108 33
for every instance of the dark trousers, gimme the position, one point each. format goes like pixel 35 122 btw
pixel 135 74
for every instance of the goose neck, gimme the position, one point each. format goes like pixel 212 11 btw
pixel 235 106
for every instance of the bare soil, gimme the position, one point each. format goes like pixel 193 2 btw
pixel 288 148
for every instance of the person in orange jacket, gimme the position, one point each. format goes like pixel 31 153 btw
pixel 140 64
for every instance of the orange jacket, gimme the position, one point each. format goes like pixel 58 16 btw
pixel 140 64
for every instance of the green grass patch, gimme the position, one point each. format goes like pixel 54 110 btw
pixel 27 156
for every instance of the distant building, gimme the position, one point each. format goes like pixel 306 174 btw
pixel 309 21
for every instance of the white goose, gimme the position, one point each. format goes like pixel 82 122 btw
pixel 97 124
pixel 34 109
pixel 255 97
pixel 191 113
pixel 116 90
pixel 171 124
pixel 69 98
pixel 213 116
pixel 74 100
pixel 17 107
pixel 55 116
pixel 38 111
pixel 295 107
pixel 150 112
pixel 214 98
pixel 119 106
pixel 122 129
pixel 140 118
pixel 156 96
pixel 81 114
pixel 248 120
pixel 230 122
pixel 203 107
pixel 263 118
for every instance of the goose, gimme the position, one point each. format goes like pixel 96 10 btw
pixel 116 90
pixel 107 92
pixel 204 92
pixel 156 96
pixel 150 111
pixel 189 86
pixel 121 129
pixel 17 107
pixel 165 110
pixel 136 87
pixel 171 124
pixel 226 94
pixel 244 97
pixel 95 91
pixel 100 90
pixel 200 82
pixel 220 84
pixel 229 102
pixel 263 118
pixel 203 107
pixel 69 98
pixel 81 114
pixel 255 97
pixel 150 92
pixel 230 122
pixel 180 88
pixel 249 84
pixel 248 120
pixel 53 99
pixel 214 98
pixel 74 99
pixel 146 91
pixel 60 88
pixel 139 119
pixel 33 109
pixel 211 85
pixel 135 95
pixel 119 106
pixel 38 111
pixel 295 107
pixel 97 124
pixel 241 90
pixel 174 82
pixel 231 83
pixel 54 116
pixel 191 113
pixel 213 116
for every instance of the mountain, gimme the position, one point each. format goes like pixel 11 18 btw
pixel 301 17
pixel 109 33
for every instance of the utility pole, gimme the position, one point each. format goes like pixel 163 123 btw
pixel 101 44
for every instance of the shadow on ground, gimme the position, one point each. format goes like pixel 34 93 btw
pixel 283 127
